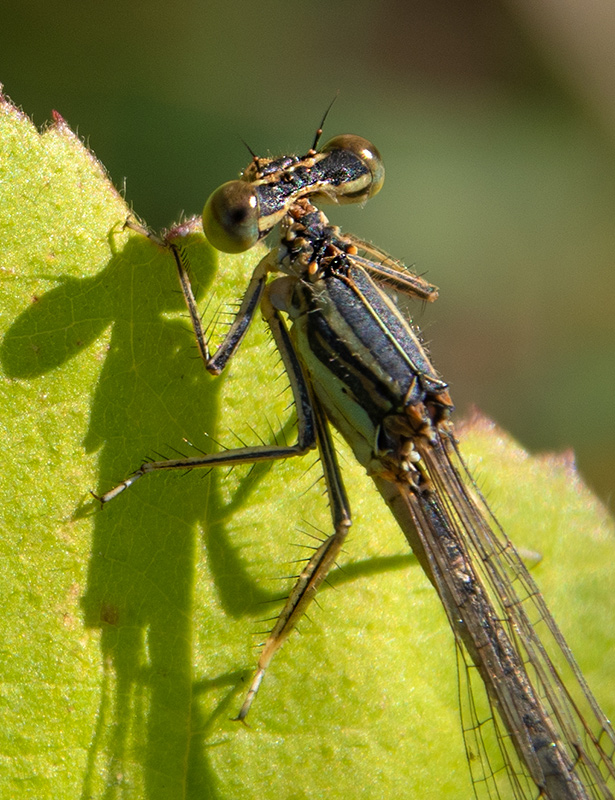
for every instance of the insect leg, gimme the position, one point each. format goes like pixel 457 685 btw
pixel 323 559
pixel 250 302
pixel 306 422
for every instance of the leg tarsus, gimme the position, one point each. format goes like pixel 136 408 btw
pixel 254 687
pixel 103 499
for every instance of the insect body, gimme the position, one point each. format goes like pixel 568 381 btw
pixel 354 360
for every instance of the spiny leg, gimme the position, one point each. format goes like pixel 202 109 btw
pixel 387 271
pixel 174 241
pixel 319 565
pixel 306 422
pixel 251 299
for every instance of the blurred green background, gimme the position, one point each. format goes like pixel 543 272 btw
pixel 496 121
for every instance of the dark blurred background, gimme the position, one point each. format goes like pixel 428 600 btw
pixel 496 120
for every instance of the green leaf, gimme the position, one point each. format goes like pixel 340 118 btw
pixel 127 635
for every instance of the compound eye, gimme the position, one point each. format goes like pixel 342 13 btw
pixel 369 155
pixel 230 217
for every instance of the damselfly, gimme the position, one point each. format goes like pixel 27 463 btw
pixel 354 360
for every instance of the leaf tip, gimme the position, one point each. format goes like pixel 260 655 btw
pixel 476 420
pixel 185 228
pixel 7 105
pixel 57 119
